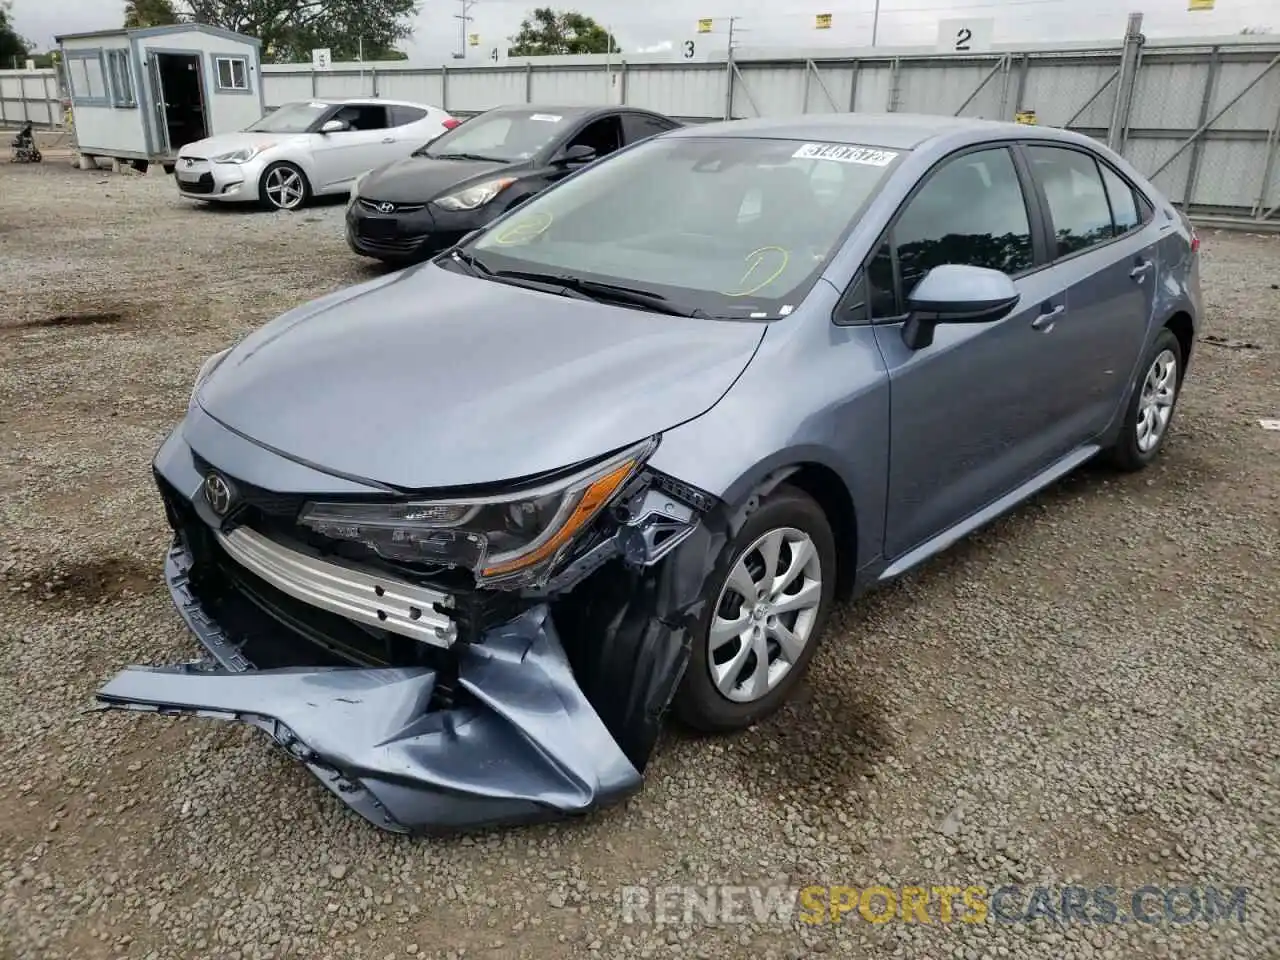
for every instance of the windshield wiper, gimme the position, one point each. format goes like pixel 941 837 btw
pixel 603 292
pixel 471 262
pixel 461 156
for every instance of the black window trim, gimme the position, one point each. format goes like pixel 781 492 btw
pixel 1031 199
pixel 1146 209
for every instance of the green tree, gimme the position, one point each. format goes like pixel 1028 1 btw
pixel 291 29
pixel 548 32
pixel 149 13
pixel 13 48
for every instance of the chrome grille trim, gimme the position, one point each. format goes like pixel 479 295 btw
pixel 344 590
pixel 398 207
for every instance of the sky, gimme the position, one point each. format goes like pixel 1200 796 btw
pixel 662 25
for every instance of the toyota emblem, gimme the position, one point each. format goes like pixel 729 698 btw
pixel 190 162
pixel 218 492
pixel 386 207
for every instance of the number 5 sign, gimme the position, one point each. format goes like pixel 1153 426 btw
pixel 969 35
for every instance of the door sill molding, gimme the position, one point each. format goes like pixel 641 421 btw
pixel 991 511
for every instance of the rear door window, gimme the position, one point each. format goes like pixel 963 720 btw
pixel 1124 205
pixel 642 126
pixel 1077 198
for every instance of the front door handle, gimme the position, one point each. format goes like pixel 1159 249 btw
pixel 388 139
pixel 1140 269
pixel 1045 320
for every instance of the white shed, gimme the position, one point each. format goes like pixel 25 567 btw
pixel 142 94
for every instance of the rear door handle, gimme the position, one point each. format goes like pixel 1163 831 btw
pixel 388 139
pixel 1045 320
pixel 1140 270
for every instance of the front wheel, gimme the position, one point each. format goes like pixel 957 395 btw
pixel 773 587
pixel 1150 411
pixel 283 187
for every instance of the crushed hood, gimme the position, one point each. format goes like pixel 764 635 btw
pixel 427 378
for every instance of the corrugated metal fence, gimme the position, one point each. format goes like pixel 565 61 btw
pixel 1201 116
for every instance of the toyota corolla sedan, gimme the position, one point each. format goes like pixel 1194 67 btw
pixel 414 207
pixel 459 537
pixel 305 149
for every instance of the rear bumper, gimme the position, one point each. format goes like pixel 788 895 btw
pixel 428 733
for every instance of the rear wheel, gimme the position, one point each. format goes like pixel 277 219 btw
pixel 1150 411
pixel 773 587
pixel 283 187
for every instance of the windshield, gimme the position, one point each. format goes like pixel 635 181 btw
pixel 508 135
pixel 730 228
pixel 291 118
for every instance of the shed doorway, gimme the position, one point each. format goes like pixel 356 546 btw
pixel 177 84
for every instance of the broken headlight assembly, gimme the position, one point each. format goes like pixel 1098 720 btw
pixel 510 540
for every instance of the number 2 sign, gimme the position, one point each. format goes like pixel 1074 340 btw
pixel 970 35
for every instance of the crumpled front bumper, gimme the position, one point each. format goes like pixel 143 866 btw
pixel 535 722
pixel 526 747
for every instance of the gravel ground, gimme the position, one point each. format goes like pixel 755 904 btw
pixel 1087 691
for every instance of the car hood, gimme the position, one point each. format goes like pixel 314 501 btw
pixel 430 379
pixel 419 179
pixel 226 142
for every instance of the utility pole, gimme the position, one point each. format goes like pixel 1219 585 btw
pixel 463 19
pixel 875 24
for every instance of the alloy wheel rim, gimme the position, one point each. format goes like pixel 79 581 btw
pixel 1155 405
pixel 284 188
pixel 765 614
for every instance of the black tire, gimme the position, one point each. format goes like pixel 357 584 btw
pixel 283 166
pixel 698 702
pixel 1126 454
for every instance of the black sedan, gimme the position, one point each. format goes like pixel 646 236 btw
pixel 413 208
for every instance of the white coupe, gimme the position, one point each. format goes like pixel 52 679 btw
pixel 305 149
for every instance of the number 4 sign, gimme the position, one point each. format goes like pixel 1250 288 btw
pixel 969 35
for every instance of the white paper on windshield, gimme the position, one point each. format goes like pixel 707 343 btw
pixel 843 153
pixel 317 105
pixel 548 117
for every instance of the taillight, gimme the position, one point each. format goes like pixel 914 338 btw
pixel 451 123
pixel 1195 241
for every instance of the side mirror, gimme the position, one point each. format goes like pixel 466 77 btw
pixel 956 293
pixel 578 153
pixel 333 126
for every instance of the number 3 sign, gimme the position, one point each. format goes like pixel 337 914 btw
pixel 965 36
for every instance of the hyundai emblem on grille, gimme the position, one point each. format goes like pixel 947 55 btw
pixel 386 207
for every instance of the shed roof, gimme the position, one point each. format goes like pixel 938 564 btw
pixel 161 31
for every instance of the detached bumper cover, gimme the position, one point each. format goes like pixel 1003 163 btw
pixel 527 747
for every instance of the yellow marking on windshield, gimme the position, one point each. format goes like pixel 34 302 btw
pixel 754 259
pixel 523 230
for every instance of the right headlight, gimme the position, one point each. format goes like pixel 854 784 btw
pixel 516 538
pixel 205 369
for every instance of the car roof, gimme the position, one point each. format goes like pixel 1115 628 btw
pixel 902 131
pixel 360 101
pixel 578 110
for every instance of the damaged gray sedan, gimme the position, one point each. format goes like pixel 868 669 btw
pixel 459 537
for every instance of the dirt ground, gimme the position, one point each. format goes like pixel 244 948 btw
pixel 1087 692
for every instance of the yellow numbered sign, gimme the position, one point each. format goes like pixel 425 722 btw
pixel 704 26
pixel 822 21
